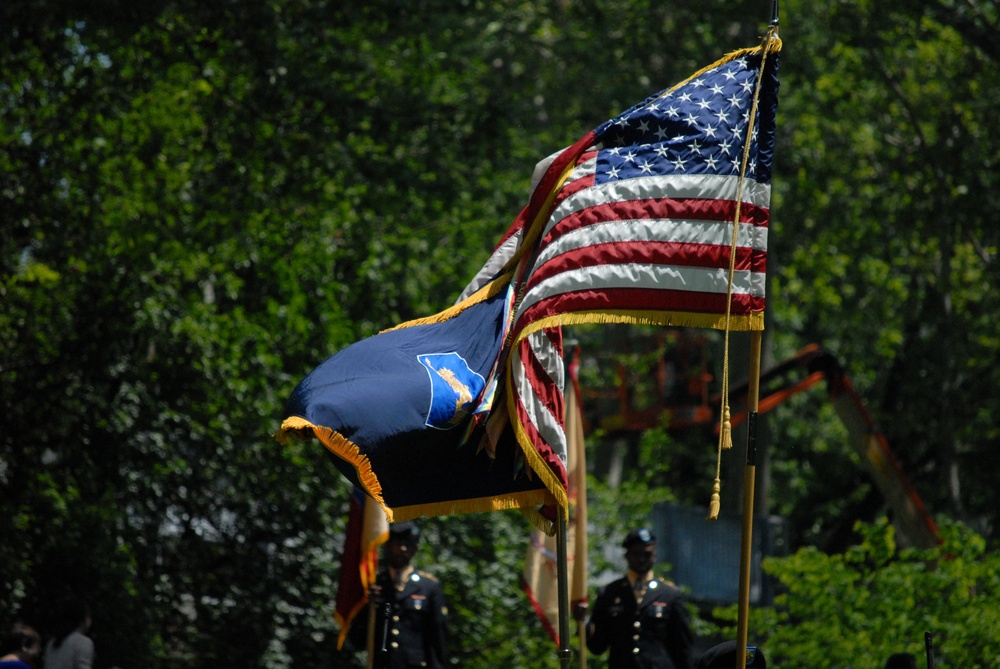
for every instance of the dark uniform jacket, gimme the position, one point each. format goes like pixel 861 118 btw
pixel 416 635
pixel 651 634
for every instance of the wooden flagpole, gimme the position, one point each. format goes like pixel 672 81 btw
pixel 749 476
pixel 750 473
pixel 371 632
pixel 565 654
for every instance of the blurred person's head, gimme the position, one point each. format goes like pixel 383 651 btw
pixel 73 616
pixel 22 641
pixel 402 544
pixel 640 550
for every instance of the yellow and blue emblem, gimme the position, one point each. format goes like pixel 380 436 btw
pixel 455 389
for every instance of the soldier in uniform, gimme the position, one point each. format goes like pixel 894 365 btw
pixel 415 634
pixel 639 617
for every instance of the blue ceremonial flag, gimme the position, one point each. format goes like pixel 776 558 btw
pixel 403 412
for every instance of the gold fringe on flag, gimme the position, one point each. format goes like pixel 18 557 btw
pixel 340 446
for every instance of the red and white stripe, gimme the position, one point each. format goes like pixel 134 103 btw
pixel 537 378
pixel 658 244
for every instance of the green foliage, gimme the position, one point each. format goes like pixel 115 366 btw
pixel 883 250
pixel 857 608
pixel 201 201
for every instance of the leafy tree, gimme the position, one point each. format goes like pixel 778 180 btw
pixel 881 248
pixel 856 608
pixel 201 201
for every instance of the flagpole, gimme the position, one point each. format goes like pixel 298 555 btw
pixel 578 591
pixel 563 586
pixel 749 475
pixel 371 632
pixel 750 471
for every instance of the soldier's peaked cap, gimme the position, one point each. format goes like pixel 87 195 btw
pixel 407 531
pixel 640 536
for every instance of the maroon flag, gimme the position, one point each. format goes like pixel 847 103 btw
pixel 367 529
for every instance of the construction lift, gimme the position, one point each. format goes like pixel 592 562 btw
pixel 679 388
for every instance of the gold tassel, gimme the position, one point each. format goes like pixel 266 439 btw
pixel 727 429
pixel 713 506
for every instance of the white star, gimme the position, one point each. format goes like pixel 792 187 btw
pixel 692 120
pixel 672 112
pixel 678 163
pixel 717 89
pixel 621 120
pixel 630 156
pixel 736 165
pixel 722 116
pixel 646 168
pixel 734 100
pixel 662 151
pixel 695 146
pixel 747 86
pixel 644 126
pixel 697 82
pixel 709 131
pixel 614 150
pixel 613 172
pixel 724 146
pixel 704 104
pixel 729 75
pixel 711 161
pixel 661 133
pixel 678 138
pixel 686 97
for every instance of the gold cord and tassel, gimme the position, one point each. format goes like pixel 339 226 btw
pixel 727 429
pixel 713 506
pixel 771 43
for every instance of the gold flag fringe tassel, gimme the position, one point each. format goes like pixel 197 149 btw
pixel 771 44
pixel 726 434
pixel 713 506
pixel 343 448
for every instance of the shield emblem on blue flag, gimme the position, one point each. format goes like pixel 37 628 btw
pixel 454 389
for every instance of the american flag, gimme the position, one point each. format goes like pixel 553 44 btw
pixel 641 228
pixel 635 223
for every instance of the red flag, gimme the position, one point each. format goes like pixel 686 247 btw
pixel 367 529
